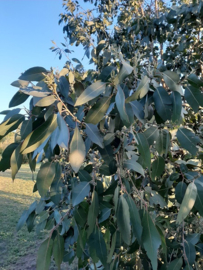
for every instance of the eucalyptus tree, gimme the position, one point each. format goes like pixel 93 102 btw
pixel 120 145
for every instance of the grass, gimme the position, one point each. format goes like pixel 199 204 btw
pixel 18 250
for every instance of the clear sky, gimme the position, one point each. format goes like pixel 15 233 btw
pixel 27 28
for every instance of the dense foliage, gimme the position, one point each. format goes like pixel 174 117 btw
pixel 120 145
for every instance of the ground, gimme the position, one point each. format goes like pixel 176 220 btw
pixel 18 250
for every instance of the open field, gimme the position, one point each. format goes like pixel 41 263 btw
pixel 18 250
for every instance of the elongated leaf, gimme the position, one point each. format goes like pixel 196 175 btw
pixel 151 134
pixel 46 101
pixel 77 151
pixel 113 245
pixel 39 135
pixel 97 112
pixel 163 103
pixel 93 212
pixel 194 97
pixel 92 91
pixel 158 167
pixel 120 103
pixel 6 156
pixel 45 177
pixel 18 99
pixel 177 107
pixel 20 83
pixel 84 176
pixel 144 151
pixel 79 192
pixel 125 70
pixel 11 113
pixel 64 86
pixel 138 110
pixel 33 74
pixel 134 218
pixel 61 134
pixel 194 80
pixel 172 79
pixel 58 249
pixel 187 203
pixel 180 191
pixel 94 135
pixel 34 91
pixel 163 142
pixel 131 164
pixel 16 161
pixel 199 199
pixel 151 239
pixel 97 244
pixel 10 124
pixel 44 254
pixel 190 252
pixel 175 264
pixel 188 140
pixel 141 90
pixel 26 128
pixel 123 220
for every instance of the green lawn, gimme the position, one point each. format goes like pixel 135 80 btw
pixel 18 250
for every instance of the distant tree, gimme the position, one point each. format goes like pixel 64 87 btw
pixel 120 145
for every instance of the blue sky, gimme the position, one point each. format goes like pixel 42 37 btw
pixel 27 28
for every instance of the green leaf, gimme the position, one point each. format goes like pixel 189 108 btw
pixel 151 239
pixel 6 156
pixel 20 83
pixel 138 110
pixel 94 135
pixel 123 220
pixel 61 134
pixel 18 99
pixel 177 107
pixel 39 135
pixel 131 164
pixel 64 86
pixel 157 199
pixel 190 252
pixel 113 245
pixel 93 212
pixel 44 254
pixel 175 264
pixel 96 243
pixel 144 151
pixel 199 199
pixel 162 103
pixel 45 177
pixel 120 103
pixel 16 161
pixel 26 128
pixel 151 134
pixel 187 203
pixel 158 167
pixel 141 90
pixel 188 140
pixel 180 191
pixel 77 151
pixel 172 79
pixel 79 192
pixel 84 176
pixel 97 112
pixel 194 97
pixel 162 142
pixel 33 74
pixel 134 218
pixel 10 124
pixel 194 80
pixel 22 220
pixel 58 250
pixel 46 101
pixel 92 91
pixel 125 70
